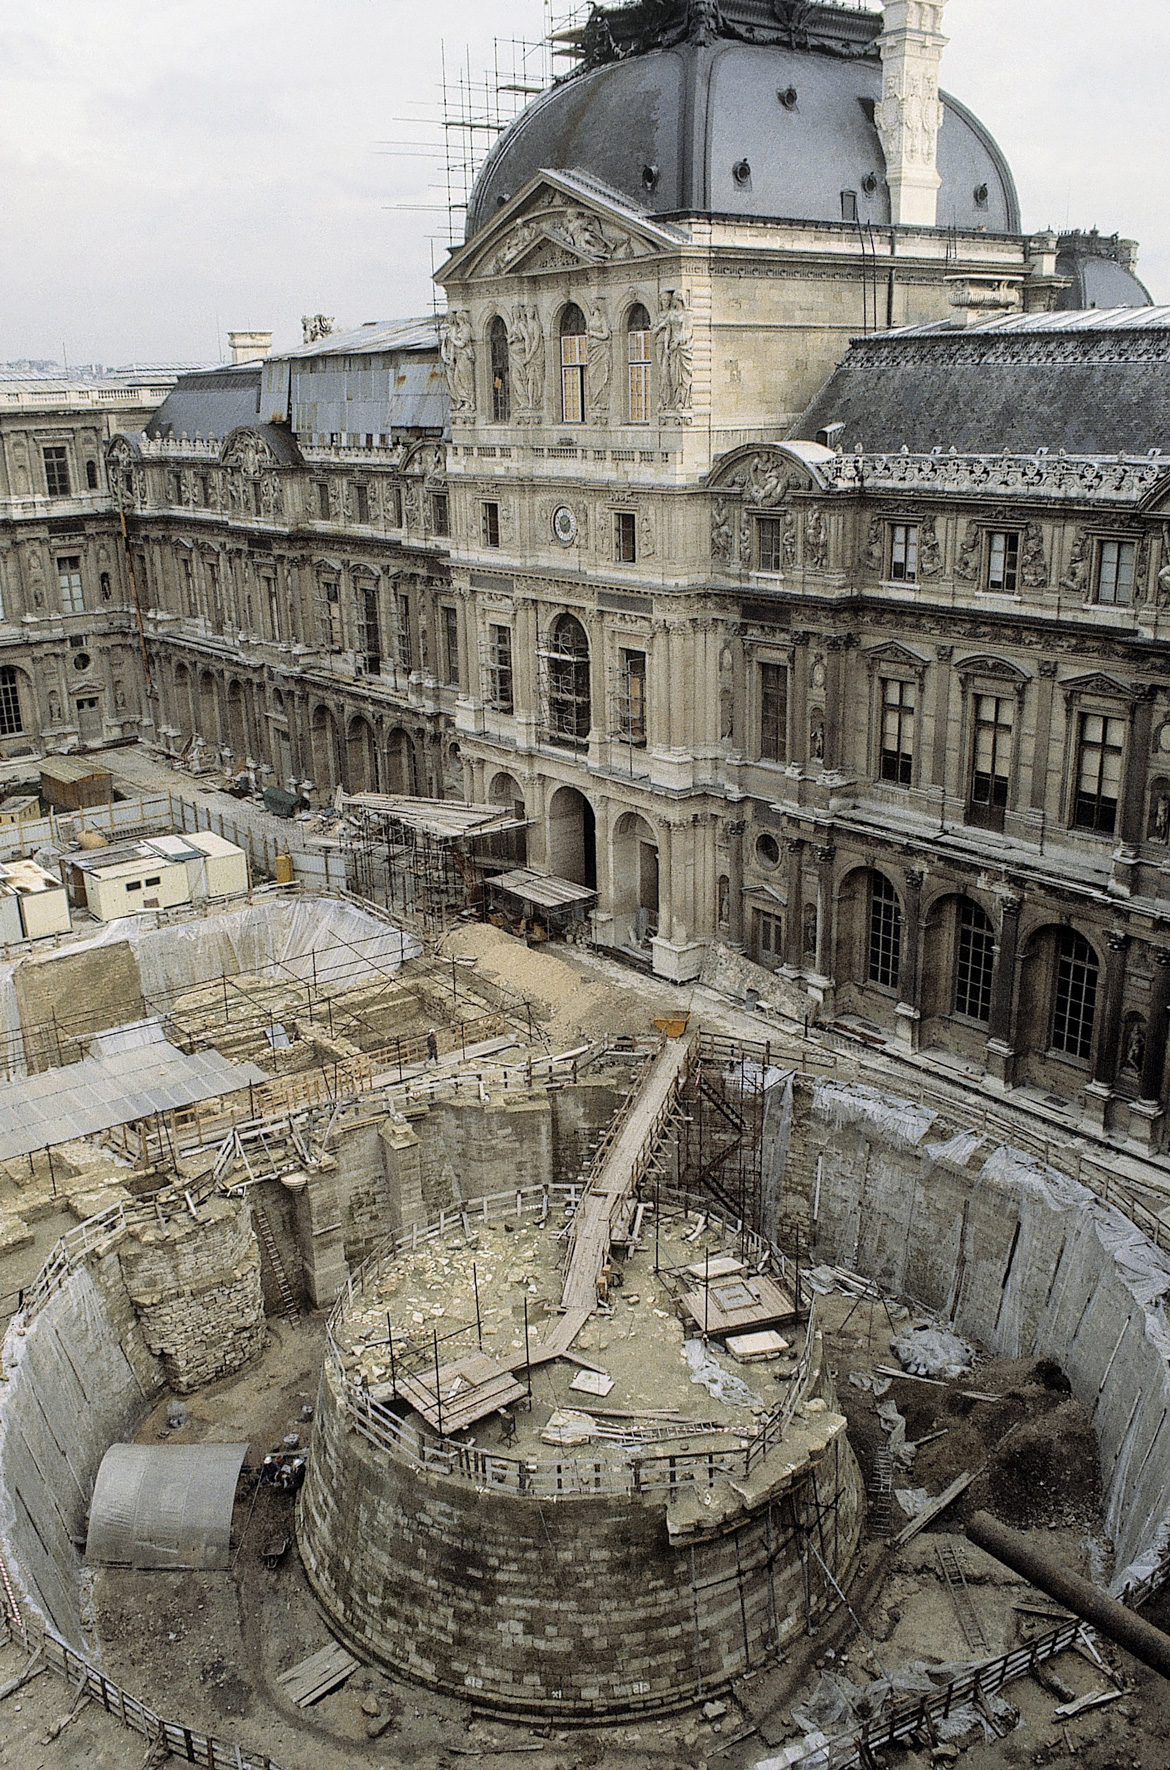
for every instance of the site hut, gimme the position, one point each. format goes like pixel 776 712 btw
pixel 33 902
pixel 69 783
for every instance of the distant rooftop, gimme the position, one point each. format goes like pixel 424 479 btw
pixel 1093 319
pixel 370 339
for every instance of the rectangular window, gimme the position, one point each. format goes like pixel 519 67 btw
pixel 491 524
pixel 625 537
pixel 904 552
pixel 330 616
pixel 56 471
pixel 10 717
pixel 405 636
pixel 574 357
pixel 975 963
pixel 899 706
pixel 361 493
pixel 451 645
pixel 371 628
pixel 769 544
pixel 638 371
pixel 1074 1003
pixel 268 586
pixel 440 514
pixel 1003 560
pixel 1101 742
pixel 393 496
pixel 500 668
pixel 774 712
pixel 323 499
pixel 633 698
pixel 69 580
pixel 992 758
pixel 769 932
pixel 1115 571
pixel 885 933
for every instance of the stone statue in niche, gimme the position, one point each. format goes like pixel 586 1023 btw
pixel 816 540
pixel 1164 573
pixel 930 559
pixel 526 343
pixel 724 900
pixel 726 695
pixel 875 549
pixel 54 706
pixel 816 736
pixel 673 335
pixel 809 935
pixel 599 338
pixel 1133 1044
pixel 1158 829
pixel 458 353
pixel 1076 579
pixel 1035 565
pixel 788 540
pixel 967 566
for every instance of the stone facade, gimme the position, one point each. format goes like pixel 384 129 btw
pixel 70 667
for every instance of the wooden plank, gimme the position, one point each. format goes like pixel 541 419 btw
pixel 936 1507
pixel 314 1677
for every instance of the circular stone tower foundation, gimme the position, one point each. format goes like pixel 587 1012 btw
pixel 554 1559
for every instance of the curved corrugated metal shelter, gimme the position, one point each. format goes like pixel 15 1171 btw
pixel 166 1506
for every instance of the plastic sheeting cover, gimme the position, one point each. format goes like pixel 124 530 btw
pixel 849 1103
pixel 720 1384
pixel 164 1506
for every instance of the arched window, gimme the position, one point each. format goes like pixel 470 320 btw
pixel 91 475
pixel 574 357
pixel 638 365
pixel 501 371
pixel 569 707
pixel 885 933
pixel 974 962
pixel 1074 1004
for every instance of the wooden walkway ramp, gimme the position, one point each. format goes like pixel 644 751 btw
pixel 621 1165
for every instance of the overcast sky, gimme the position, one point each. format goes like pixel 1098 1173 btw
pixel 174 170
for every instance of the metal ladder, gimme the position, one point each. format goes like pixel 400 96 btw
pixel 951 1565
pixel 881 1492
pixel 268 1243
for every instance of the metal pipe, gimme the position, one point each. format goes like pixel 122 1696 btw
pixel 1079 1595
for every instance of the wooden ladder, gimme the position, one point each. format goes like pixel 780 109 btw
pixel 881 1492
pixel 952 1571
pixel 268 1243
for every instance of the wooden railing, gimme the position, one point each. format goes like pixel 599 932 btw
pixel 182 1743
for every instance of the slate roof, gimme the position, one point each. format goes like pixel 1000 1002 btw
pixel 210 402
pixel 1095 383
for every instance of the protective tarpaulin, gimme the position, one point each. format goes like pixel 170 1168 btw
pixel 164 1506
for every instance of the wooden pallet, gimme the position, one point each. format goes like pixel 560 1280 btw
pixel 739 1305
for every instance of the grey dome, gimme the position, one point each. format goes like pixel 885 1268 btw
pixel 668 129
pixel 1101 269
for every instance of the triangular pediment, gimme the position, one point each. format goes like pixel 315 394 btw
pixel 892 653
pixel 1098 683
pixel 559 221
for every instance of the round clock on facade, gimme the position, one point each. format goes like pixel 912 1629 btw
pixel 564 524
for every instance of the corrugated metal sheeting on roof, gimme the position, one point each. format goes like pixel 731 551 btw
pixel 114 1089
pixel 165 1506
pixel 367 396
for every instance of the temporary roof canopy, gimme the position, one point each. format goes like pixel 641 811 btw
pixel 544 890
pixel 166 1506
pixel 445 819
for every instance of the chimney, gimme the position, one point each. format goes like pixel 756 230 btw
pixel 909 113
pixel 247 346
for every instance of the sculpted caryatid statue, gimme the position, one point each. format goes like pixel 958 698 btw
pixel 599 338
pixel 458 350
pixel 672 345
pixel 526 344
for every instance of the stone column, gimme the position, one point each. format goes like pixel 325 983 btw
pixel 1001 1053
pixel 826 930
pixel 734 833
pixel 1099 1091
pixel 1148 1113
pixel 908 1010
pixel 793 939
